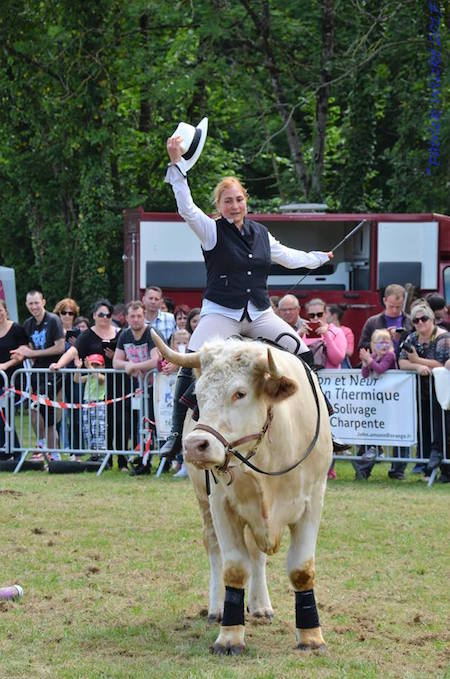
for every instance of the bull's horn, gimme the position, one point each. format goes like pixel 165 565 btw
pixel 273 370
pixel 189 360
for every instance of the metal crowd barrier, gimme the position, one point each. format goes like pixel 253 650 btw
pixel 439 429
pixel 4 414
pixel 71 413
pixel 76 413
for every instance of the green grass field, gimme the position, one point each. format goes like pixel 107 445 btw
pixel 116 579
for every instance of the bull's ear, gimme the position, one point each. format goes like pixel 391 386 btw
pixel 279 388
pixel 271 381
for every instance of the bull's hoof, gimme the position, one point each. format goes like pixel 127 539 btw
pixel 214 617
pixel 218 649
pixel 321 648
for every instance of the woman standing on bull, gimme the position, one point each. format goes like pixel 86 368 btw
pixel 238 253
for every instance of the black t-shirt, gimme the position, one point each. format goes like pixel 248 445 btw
pixel 90 343
pixel 136 350
pixel 15 337
pixel 43 336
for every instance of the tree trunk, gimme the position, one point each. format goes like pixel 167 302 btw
pixel 262 24
pixel 327 9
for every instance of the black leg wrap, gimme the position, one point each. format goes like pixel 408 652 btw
pixel 233 610
pixel 306 615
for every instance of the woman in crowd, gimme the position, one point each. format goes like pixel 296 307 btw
pixel 193 319
pixel 181 313
pixel 334 315
pixel 427 347
pixel 101 338
pixel 238 253
pixel 324 335
pixel 12 336
pixel 69 425
pixel 67 309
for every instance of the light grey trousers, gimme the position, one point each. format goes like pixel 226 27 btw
pixel 267 325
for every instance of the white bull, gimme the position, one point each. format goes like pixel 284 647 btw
pixel 244 389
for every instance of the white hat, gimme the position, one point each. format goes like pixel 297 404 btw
pixel 193 142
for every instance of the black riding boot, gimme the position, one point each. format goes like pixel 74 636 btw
pixel 173 444
pixel 338 446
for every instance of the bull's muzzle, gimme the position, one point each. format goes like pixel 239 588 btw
pixel 203 450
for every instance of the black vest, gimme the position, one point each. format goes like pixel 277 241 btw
pixel 238 266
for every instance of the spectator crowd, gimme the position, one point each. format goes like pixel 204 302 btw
pixel 118 337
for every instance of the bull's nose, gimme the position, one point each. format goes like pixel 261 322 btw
pixel 201 445
pixel 202 451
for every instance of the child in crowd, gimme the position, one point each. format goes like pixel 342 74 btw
pixel 94 419
pixel 381 356
pixel 180 340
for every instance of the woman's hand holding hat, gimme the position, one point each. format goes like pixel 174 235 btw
pixel 174 148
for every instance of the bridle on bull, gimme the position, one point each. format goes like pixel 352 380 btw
pixel 230 448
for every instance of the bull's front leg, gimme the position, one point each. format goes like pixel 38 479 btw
pixel 236 570
pixel 301 571
pixel 258 595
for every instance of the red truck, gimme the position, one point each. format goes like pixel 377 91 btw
pixel 160 249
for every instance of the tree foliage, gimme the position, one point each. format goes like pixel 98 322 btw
pixel 324 100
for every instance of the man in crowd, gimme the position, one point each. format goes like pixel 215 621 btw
pixel 46 344
pixel 137 355
pixel 289 311
pixel 439 307
pixel 393 318
pixel 162 321
pixel 399 325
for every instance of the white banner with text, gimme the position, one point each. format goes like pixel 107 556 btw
pixel 163 390
pixel 376 410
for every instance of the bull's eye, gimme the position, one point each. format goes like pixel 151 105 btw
pixel 238 395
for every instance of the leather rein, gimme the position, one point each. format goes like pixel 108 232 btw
pixel 230 448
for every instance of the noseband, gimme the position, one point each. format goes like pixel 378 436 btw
pixel 230 447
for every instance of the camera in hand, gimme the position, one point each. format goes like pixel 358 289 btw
pixel 409 347
pixel 313 325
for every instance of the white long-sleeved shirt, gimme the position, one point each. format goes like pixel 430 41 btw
pixel 205 228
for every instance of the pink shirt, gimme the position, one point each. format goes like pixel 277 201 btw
pixel 350 337
pixel 335 343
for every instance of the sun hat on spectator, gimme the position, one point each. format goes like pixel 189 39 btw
pixel 193 142
pixel 96 358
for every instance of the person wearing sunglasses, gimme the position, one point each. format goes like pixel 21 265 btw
pixel 325 335
pixel 101 339
pixel 68 310
pixel 68 426
pixel 427 347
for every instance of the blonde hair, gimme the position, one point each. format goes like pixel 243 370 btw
pixel 379 335
pixel 223 185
